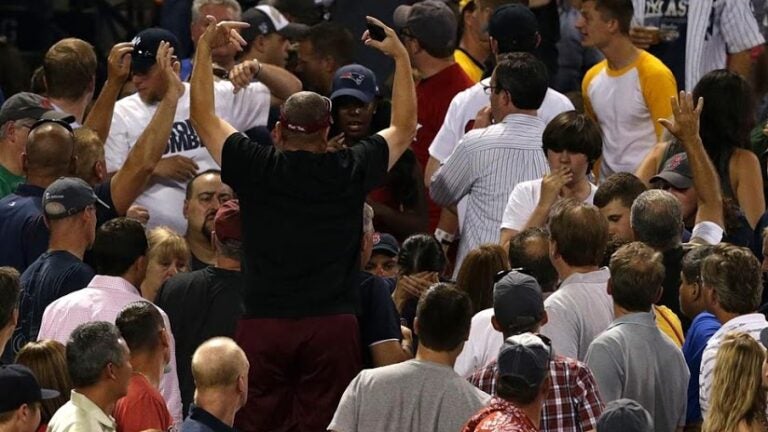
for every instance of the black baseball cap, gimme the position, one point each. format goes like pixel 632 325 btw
pixel 525 357
pixel 145 46
pixel 32 106
pixel 514 27
pixel 355 80
pixel 20 387
pixel 432 23
pixel 67 196
pixel 266 19
pixel 624 415
pixel 676 171
pixel 517 301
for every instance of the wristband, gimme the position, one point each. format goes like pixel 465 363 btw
pixel 444 237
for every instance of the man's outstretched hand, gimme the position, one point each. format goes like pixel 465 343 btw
pixel 223 33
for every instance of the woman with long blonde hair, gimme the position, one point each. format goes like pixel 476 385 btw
pixel 738 397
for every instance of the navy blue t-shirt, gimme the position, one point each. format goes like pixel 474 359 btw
pixel 378 317
pixel 200 420
pixel 52 276
pixel 23 233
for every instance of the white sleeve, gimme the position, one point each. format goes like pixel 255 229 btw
pixel 169 382
pixel 705 375
pixel 708 232
pixel 519 207
pixel 450 132
pixel 739 26
pixel 245 109
pixel 118 145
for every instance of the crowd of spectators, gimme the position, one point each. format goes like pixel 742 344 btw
pixel 474 215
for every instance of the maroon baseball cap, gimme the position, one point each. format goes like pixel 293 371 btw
pixel 226 224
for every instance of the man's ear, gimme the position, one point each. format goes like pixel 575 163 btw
pixel 494 46
pixel 24 162
pixel 416 326
pixel 495 324
pixel 544 319
pixel 658 295
pixel 609 287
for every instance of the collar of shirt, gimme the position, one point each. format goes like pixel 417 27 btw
pixel 598 276
pixel 113 282
pixel 200 415
pixel 523 119
pixel 26 189
pixel 85 404
pixel 753 318
pixel 647 319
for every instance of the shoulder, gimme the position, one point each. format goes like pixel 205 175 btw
pixel 742 158
pixel 649 66
pixel 554 96
pixel 594 71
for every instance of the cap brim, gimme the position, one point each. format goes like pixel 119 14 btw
pixel 355 93
pixel 294 31
pixel 678 181
pixel 102 203
pixel 400 17
pixel 389 250
pixel 49 394
pixel 142 65
pixel 56 115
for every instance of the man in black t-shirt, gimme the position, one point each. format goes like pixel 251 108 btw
pixel 206 303
pixel 301 334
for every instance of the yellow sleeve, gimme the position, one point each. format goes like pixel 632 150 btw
pixel 658 86
pixel 588 77
pixel 669 324
pixel 473 71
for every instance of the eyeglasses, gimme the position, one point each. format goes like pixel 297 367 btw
pixel 500 275
pixel 487 89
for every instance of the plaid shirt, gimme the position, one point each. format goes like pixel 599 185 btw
pixel 573 403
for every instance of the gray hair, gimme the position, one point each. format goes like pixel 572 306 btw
pixel 90 348
pixel 232 4
pixel 367 218
pixel 657 220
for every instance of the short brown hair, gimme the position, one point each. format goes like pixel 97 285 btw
pixel 576 133
pixel 624 187
pixel 637 272
pixel 620 10
pixel 9 294
pixel 579 231
pixel 477 273
pixel 89 149
pixel 70 68
pixel 734 273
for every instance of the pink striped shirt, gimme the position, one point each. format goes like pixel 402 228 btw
pixel 102 300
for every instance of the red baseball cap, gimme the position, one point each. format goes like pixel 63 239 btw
pixel 226 224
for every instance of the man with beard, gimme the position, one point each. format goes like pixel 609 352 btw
pixel 205 194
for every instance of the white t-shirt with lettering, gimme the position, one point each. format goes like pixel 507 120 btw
pixel 165 198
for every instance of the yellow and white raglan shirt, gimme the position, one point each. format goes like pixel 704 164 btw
pixel 627 103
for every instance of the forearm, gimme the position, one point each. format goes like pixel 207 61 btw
pixel 100 117
pixel 741 63
pixel 431 168
pixel 706 181
pixel 404 98
pixel 539 217
pixel 201 99
pixel 281 83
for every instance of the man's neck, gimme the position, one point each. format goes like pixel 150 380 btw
pixel 150 365
pixel 564 271
pixel 724 316
pixel 70 240
pixel 219 406
pixel 447 358
pixel 579 191
pixel 533 411
pixel 200 247
pixel 476 49
pixel 9 159
pixel 620 52
pixel 226 263
pixel 39 181
pixel 619 311
pixel 72 107
pixel 429 66
pixel 100 396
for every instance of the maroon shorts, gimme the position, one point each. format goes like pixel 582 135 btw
pixel 299 370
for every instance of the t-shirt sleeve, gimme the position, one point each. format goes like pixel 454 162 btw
pixel 381 322
pixel 658 86
pixel 739 26
pixel 243 161
pixel 607 372
pixel 345 419
pixel 371 156
pixel 245 109
pixel 117 146
pixel 519 207
pixel 450 132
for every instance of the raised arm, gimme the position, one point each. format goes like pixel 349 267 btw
pixel 213 131
pixel 129 181
pixel 402 125
pixel 686 128
pixel 118 68
pixel 281 83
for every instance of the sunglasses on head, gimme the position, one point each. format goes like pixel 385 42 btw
pixel 61 123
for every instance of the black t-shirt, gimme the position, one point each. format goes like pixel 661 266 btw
pixel 104 192
pixel 673 264
pixel 302 218
pixel 200 305
pixel 378 317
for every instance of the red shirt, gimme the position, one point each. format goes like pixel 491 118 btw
pixel 434 95
pixel 142 408
pixel 500 416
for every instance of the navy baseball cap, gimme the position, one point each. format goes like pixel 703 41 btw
pixel 67 196
pixel 145 46
pixel 32 106
pixel 514 27
pixel 517 301
pixel 20 387
pixel 386 244
pixel 355 80
pixel 525 357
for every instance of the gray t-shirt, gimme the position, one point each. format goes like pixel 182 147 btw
pixel 416 395
pixel 633 359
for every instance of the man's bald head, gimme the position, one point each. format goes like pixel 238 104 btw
pixel 218 363
pixel 50 151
